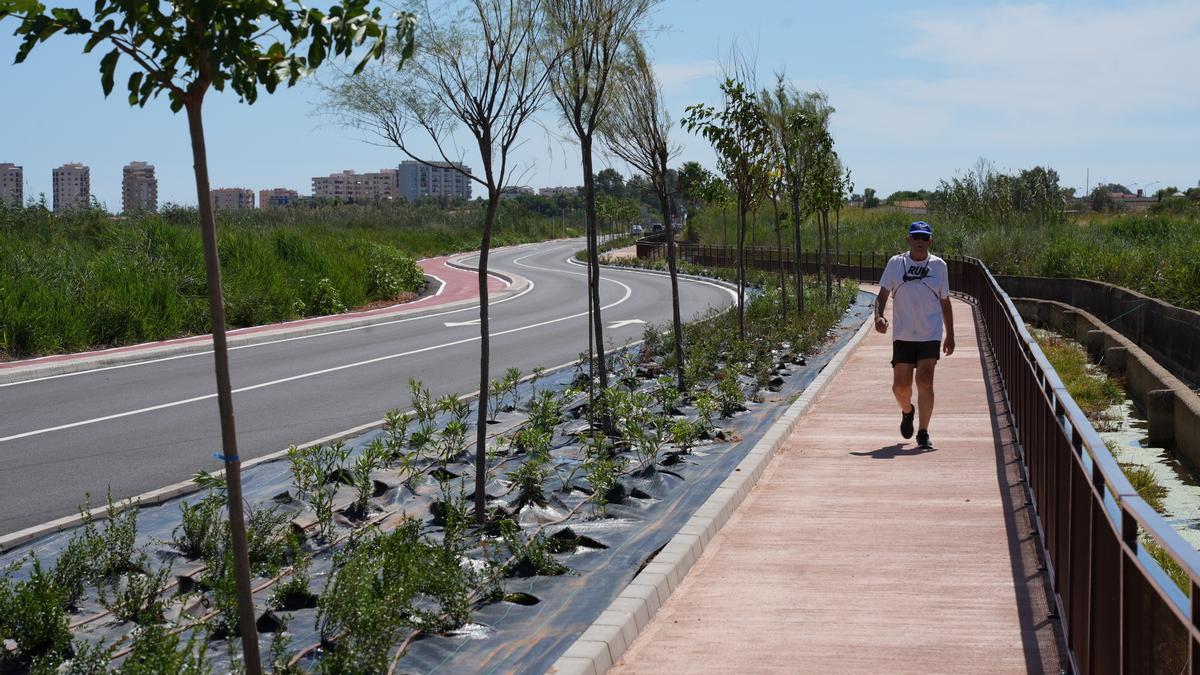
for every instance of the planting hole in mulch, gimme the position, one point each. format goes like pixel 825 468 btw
pixel 269 623
pixel 522 599
pixel 567 541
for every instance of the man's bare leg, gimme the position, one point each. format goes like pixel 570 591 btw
pixel 925 391
pixel 902 384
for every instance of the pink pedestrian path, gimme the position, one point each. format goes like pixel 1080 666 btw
pixel 457 285
pixel 858 553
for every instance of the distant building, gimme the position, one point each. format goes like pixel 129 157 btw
pixel 277 197
pixel 12 184
pixel 72 187
pixel 442 179
pixel 229 199
pixel 139 188
pixel 916 206
pixel 516 191
pixel 349 186
pixel 555 191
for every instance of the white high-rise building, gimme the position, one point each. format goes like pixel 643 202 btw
pixel 419 180
pixel 12 184
pixel 139 188
pixel 72 187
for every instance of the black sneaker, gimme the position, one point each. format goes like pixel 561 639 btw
pixel 906 422
pixel 923 439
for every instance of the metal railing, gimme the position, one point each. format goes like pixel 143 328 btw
pixel 1120 611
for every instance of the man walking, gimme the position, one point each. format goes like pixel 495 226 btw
pixel 920 283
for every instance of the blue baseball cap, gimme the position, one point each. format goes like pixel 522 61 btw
pixel 920 227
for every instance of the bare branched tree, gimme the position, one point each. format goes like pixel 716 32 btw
pixel 637 130
pixel 591 32
pixel 483 68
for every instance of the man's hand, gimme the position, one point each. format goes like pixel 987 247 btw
pixel 881 324
pixel 948 345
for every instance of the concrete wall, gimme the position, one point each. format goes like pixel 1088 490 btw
pixel 1168 333
pixel 1172 408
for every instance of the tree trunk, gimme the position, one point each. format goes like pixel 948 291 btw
pixel 779 258
pixel 724 229
pixel 485 354
pixel 589 199
pixel 828 263
pixel 229 449
pixel 837 242
pixel 796 245
pixel 676 322
pixel 741 265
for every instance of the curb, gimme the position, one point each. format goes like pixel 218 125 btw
pixel 516 284
pixel 606 640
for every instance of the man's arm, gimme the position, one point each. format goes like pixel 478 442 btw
pixel 948 320
pixel 881 322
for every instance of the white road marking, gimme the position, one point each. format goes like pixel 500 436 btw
pixel 301 376
pixel 472 322
pixel 626 322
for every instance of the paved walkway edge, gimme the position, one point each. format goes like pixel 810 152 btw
pixel 605 641
pixel 299 328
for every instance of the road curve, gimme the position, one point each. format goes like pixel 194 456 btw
pixel 143 426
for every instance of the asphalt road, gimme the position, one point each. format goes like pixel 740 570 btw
pixel 143 426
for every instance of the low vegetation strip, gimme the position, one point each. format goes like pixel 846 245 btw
pixel 87 280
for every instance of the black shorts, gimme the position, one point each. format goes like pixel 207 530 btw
pixel 904 351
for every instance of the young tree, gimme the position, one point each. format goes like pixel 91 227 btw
pixel 740 134
pixel 184 49
pixel 637 130
pixel 795 118
pixel 826 184
pixel 591 33
pixel 482 69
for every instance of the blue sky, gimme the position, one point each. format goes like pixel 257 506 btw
pixel 922 90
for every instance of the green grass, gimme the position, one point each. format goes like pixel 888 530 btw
pixel 88 280
pixel 1094 392
pixel 1155 254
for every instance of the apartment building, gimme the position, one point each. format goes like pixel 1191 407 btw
pixel 72 187
pixel 12 184
pixel 348 186
pixel 139 188
pixel 229 199
pixel 443 179
pixel 555 191
pixel 277 197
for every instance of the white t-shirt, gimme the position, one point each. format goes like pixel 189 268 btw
pixel 916 288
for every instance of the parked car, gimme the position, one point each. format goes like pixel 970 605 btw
pixel 637 230
pixel 658 227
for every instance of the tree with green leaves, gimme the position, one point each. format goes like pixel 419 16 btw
pixel 591 33
pixel 492 87
pixel 826 186
pixel 184 49
pixel 795 119
pixel 741 135
pixel 869 199
pixel 637 130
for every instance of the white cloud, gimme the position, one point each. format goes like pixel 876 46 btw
pixel 1033 74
